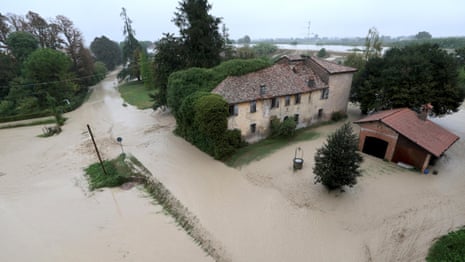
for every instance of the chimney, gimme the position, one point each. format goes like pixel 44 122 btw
pixel 262 89
pixel 425 110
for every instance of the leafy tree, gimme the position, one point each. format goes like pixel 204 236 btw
pixel 8 71
pixel 106 51
pixel 244 40
pixel 409 77
pixel 337 163
pixel 48 70
pixel 460 54
pixel 21 45
pixel 199 32
pixel 245 52
pixel 373 44
pixel 169 57
pixel 322 53
pixel 131 47
pixel 146 70
pixel 423 35
pixel 265 49
pixel 100 71
pixel 354 60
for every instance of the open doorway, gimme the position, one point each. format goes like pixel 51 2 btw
pixel 375 147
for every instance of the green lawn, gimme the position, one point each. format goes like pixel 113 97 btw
pixel 135 93
pixel 259 150
pixel 450 247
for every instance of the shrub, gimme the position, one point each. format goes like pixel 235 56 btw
pixel 338 115
pixel 287 128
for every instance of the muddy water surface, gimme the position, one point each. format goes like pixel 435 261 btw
pixel 261 212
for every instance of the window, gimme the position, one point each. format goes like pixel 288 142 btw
pixel 297 99
pixel 324 93
pixel 233 110
pixel 287 101
pixel 253 106
pixel 296 118
pixel 253 128
pixel 275 102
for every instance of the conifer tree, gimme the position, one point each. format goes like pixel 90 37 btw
pixel 337 163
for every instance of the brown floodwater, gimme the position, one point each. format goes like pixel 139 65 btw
pixel 261 212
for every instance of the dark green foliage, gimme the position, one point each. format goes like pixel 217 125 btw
pixel 460 55
pixel 185 116
pixel 449 248
pixel 199 32
pixel 183 83
pixel 210 118
pixel 238 67
pixel 169 58
pixel 336 116
pixel 100 71
pixel 409 77
pixel 337 163
pixel 50 69
pixel 8 71
pixel 202 116
pixel 423 35
pixel 21 45
pixel 322 53
pixel 106 51
pixel 147 71
pixel 287 128
pixel 284 129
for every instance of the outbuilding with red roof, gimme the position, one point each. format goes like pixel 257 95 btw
pixel 404 136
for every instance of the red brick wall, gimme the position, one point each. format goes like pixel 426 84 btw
pixel 409 153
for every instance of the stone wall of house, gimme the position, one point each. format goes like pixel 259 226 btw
pixel 339 92
pixel 307 111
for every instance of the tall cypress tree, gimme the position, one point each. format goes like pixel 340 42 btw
pixel 337 163
pixel 200 34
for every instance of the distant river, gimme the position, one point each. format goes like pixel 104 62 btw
pixel 334 48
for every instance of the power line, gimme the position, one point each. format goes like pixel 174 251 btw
pixel 54 82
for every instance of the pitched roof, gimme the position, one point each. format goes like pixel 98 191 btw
pixel 428 135
pixel 332 68
pixel 279 79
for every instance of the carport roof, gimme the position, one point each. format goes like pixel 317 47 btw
pixel 428 135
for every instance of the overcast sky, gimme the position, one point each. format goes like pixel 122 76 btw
pixel 259 18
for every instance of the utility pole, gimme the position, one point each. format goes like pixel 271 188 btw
pixel 96 150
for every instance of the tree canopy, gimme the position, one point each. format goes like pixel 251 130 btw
pixel 21 45
pixel 106 51
pixel 337 163
pixel 409 77
pixel 199 32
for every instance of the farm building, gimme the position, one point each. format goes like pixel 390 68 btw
pixel 404 136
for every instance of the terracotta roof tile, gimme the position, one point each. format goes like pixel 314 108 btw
pixel 332 68
pixel 280 79
pixel 430 136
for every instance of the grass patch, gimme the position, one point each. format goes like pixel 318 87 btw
pixel 136 94
pixel 261 149
pixel 450 247
pixel 118 173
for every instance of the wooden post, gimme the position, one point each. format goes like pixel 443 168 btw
pixel 96 149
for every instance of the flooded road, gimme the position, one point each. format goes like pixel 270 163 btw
pixel 262 212
pixel 46 211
